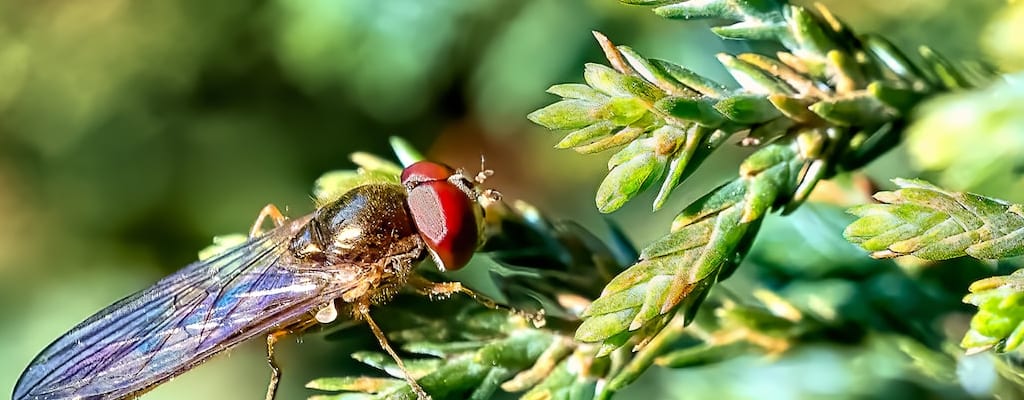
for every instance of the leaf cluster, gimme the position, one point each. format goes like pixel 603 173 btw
pixel 664 117
pixel 458 349
pixel 828 101
pixel 468 355
pixel 925 221
pixel 999 322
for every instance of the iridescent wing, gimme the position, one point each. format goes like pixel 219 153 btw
pixel 160 332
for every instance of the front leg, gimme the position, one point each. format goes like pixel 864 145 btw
pixel 444 290
pixel 362 310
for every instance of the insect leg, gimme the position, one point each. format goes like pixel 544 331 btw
pixel 275 370
pixel 444 290
pixel 364 312
pixel 272 338
pixel 268 211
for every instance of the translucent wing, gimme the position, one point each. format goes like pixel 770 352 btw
pixel 160 332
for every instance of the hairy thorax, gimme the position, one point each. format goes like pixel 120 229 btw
pixel 367 230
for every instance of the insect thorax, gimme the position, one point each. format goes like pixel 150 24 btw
pixel 367 226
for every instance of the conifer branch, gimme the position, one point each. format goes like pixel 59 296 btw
pixel 999 323
pixel 707 242
pixel 928 222
pixel 831 102
pixel 925 221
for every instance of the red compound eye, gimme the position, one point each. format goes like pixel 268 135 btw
pixel 446 215
pixel 425 171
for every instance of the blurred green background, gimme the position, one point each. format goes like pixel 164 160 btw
pixel 131 132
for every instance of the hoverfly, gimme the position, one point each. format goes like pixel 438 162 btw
pixel 352 252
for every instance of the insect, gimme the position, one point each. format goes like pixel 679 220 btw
pixel 351 253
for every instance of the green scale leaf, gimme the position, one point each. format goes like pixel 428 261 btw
pixel 999 323
pixel 830 102
pixel 925 221
pixel 707 242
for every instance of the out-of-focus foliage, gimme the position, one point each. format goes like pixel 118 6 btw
pixel 986 121
pixel 1009 23
pixel 388 58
